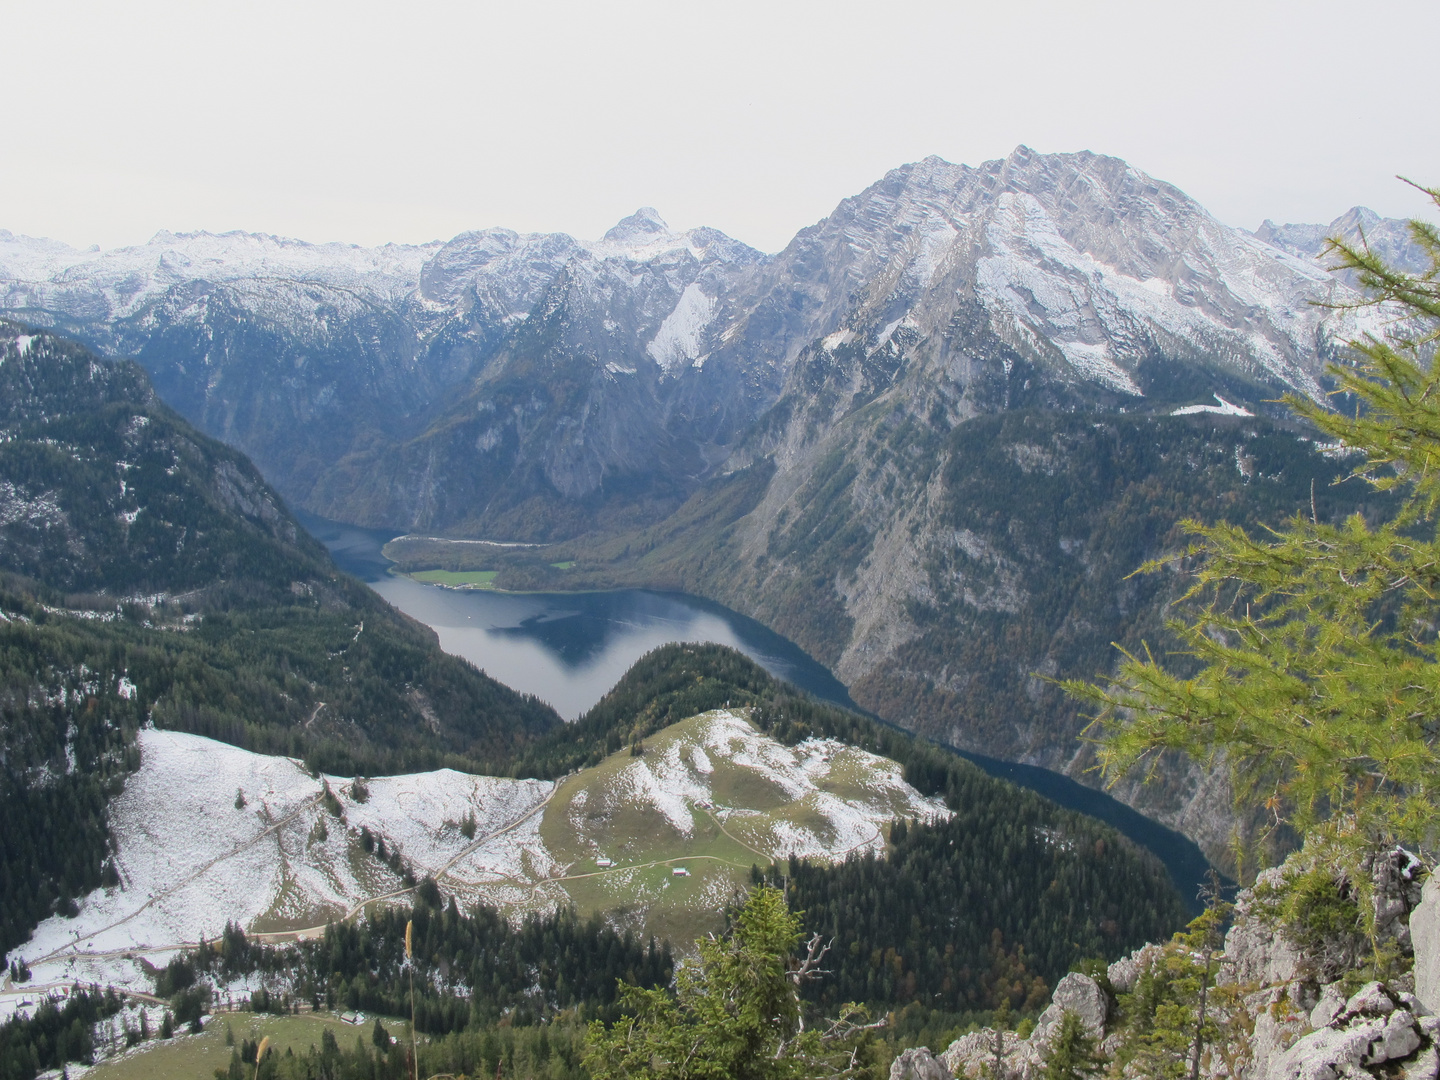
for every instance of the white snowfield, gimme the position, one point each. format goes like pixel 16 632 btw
pixel 191 860
pixel 119 282
pixel 1079 259
pixel 191 857
pixel 1225 408
pixel 304 286
pixel 818 823
pixel 678 776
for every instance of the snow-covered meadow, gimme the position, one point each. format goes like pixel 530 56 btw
pixel 207 833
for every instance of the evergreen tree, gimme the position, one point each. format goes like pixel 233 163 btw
pixel 1317 647
pixel 736 1012
pixel 1072 1053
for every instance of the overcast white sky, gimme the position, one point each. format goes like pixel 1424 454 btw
pixel 413 121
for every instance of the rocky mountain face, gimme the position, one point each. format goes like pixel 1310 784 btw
pixel 523 384
pixel 408 385
pixel 928 440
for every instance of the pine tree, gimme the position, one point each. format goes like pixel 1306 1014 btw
pixel 1072 1053
pixel 1317 646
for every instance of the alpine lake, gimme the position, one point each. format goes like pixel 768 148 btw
pixel 569 649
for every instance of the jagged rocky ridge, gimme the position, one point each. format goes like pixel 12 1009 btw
pixel 1297 1008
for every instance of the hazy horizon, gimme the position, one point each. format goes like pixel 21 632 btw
pixel 360 123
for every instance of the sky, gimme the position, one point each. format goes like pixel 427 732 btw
pixel 374 122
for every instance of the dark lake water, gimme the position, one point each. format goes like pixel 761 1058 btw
pixel 570 648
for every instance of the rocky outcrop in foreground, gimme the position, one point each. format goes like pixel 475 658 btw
pixel 1295 994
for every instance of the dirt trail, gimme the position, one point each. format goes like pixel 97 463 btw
pixel 311 932
pixel 278 937
pixel 198 872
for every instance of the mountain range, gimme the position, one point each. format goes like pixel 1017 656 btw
pixel 529 386
pixel 928 440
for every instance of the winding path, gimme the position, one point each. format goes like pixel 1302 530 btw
pixel 198 872
pixel 70 951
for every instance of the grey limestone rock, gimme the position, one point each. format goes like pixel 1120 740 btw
pixel 1372 999
pixel 1425 936
pixel 1398 891
pixel 1277 1026
pixel 1426 1065
pixel 1260 951
pixel 1080 995
pixel 1124 973
pixel 1257 952
pixel 1330 1052
pixel 1330 1005
pixel 918 1063
pixel 972 1055
pixel 1413 1003
pixel 1370 1031
pixel 1399 1040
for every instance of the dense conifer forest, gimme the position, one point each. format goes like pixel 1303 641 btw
pixel 471 968
pixel 55 1035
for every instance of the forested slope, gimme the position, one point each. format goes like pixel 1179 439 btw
pixel 995 903
pixel 148 574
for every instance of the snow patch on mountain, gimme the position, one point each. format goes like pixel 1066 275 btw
pixel 115 284
pixel 207 833
pixel 679 338
pixel 1225 408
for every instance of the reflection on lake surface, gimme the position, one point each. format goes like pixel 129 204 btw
pixel 567 648
pixel 570 648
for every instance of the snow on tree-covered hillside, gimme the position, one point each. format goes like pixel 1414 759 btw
pixel 207 834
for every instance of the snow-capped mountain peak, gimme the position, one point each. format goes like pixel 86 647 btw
pixel 1073 272
pixel 1389 237
pixel 642 225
